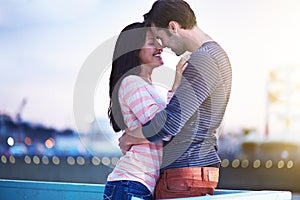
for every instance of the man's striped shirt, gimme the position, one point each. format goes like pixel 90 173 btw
pixel 195 111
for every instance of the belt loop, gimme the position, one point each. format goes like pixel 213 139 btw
pixel 165 177
pixel 205 176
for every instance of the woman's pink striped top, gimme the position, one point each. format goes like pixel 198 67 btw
pixel 139 101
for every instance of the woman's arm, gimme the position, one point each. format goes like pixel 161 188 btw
pixel 180 67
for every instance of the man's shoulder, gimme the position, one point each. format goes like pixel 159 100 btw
pixel 208 53
pixel 200 58
pixel 196 55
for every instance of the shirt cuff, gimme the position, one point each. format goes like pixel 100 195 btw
pixel 170 94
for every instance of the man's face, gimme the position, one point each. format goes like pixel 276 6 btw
pixel 168 39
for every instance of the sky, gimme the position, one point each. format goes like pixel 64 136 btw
pixel 44 45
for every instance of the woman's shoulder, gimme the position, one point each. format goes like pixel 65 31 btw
pixel 133 80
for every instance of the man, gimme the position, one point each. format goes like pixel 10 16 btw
pixel 190 165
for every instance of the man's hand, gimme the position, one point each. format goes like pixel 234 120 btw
pixel 125 142
pixel 130 138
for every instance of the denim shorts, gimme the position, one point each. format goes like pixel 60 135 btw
pixel 126 190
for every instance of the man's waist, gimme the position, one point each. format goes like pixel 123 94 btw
pixel 196 173
pixel 194 155
pixel 199 139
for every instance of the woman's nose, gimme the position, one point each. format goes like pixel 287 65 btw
pixel 158 44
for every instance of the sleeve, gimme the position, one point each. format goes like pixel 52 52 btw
pixel 199 80
pixel 139 101
pixel 169 96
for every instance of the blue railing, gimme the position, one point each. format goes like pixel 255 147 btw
pixel 39 190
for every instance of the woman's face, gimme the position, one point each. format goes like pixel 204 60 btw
pixel 150 54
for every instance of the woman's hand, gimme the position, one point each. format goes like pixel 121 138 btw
pixel 180 67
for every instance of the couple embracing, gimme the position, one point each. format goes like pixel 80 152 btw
pixel 169 146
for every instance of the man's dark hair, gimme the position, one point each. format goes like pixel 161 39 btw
pixel 164 11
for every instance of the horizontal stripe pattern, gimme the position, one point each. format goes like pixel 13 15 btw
pixel 195 111
pixel 139 102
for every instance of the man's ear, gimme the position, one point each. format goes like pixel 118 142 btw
pixel 173 26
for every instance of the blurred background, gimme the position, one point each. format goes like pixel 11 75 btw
pixel 43 45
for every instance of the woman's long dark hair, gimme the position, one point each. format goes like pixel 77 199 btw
pixel 125 62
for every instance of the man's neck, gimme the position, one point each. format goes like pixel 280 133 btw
pixel 195 38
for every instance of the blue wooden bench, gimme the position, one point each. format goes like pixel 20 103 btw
pixel 39 190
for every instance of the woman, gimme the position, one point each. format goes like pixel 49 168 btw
pixel 133 102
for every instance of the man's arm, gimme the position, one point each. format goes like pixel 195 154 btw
pixel 199 81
